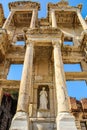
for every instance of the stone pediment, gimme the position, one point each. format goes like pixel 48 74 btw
pixel 24 5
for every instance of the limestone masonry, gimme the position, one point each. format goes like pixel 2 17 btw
pixel 40 100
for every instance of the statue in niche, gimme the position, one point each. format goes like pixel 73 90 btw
pixel 43 99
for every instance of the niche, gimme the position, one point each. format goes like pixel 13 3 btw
pixel 43 101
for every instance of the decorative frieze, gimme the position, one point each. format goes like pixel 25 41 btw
pixel 46 30
pixel 23 4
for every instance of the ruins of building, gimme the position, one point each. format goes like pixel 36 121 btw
pixel 43 102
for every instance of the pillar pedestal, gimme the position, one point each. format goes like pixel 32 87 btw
pixel 20 121
pixel 65 121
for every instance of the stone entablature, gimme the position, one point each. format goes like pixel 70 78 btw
pixel 46 30
pixel 63 5
pixel 44 54
pixel 24 5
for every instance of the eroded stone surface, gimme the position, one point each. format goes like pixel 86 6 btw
pixel 43 64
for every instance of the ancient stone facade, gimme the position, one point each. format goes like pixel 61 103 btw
pixel 43 102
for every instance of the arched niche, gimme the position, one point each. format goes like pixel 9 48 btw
pixel 40 87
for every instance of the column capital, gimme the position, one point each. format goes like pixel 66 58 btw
pixel 30 43
pixel 34 10
pixel 53 10
pixel 56 43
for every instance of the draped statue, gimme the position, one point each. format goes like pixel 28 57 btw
pixel 43 99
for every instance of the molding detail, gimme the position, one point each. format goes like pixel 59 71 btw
pixel 47 30
pixel 24 4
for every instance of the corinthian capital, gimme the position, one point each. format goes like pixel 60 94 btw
pixel 56 43
pixel 30 43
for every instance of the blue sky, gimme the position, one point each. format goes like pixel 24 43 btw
pixel 76 89
pixel 43 3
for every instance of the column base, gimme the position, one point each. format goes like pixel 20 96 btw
pixel 65 121
pixel 20 121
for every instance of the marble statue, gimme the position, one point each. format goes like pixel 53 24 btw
pixel 43 99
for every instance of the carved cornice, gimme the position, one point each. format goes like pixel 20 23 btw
pixel 24 4
pixel 76 75
pixel 47 30
pixel 9 84
pixel 60 5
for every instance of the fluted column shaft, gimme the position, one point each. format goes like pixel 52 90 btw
pixel 8 20
pixel 54 22
pixel 82 21
pixel 33 19
pixel 26 80
pixel 61 92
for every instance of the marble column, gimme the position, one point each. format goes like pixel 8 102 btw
pixel 82 21
pixel 76 41
pixel 54 22
pixel 1 95
pixel 20 120
pixel 26 80
pixel 33 18
pixel 8 20
pixel 64 120
pixel 62 98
